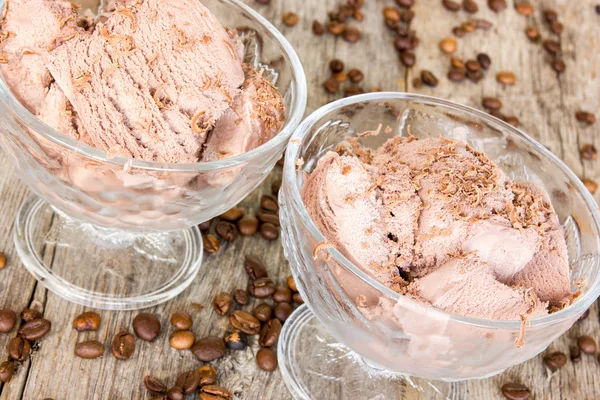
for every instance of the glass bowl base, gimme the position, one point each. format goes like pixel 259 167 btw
pixel 314 366
pixel 104 268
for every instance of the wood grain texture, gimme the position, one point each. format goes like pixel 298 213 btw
pixel 544 102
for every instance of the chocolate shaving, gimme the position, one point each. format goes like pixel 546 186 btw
pixel 63 21
pixel 205 122
pixel 128 14
pixel 322 246
pixel 370 133
pixel 3 58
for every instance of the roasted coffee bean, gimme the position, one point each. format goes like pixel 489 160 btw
pixel 403 44
pixel 555 360
pixel 491 103
pixel 448 45
pixel 254 268
pixel 241 297
pixel 263 312
pixel 587 344
pixel 146 326
pixel 266 359
pixel 175 393
pixel 358 15
pixel 473 65
pixel 331 86
pixel 154 386
pixel 417 82
pixel 7 369
pixel 8 320
pixel 291 283
pixel 261 288
pixel 244 322
pixel 335 28
pixel 269 203
pixel 512 120
pixel 181 320
pixel 29 314
pixel 497 114
pixel 550 15
pixel 232 214
pixel 317 28
pixel 226 231
pixel 341 77
pixel 89 349
pixel 515 391
pixel 88 321
pixel 584 116
pixel 268 216
pixel 556 27
pixel 506 78
pixel 484 60
pixel 451 5
pixel 204 226
pixel 497 5
pixel 475 76
pixel 282 311
pixel 297 298
pixel 469 26
pixel 290 18
pixel 209 348
pixel 588 152
pixel 208 375
pixel 269 231
pixel 458 31
pixel 35 329
pixel 282 294
pixel 336 66
pixel 524 8
pixel 552 46
pixel 2 260
pixel 392 13
pixel 456 75
pixel 269 333
pixel 18 348
pixel 355 75
pixel 213 392
pixel 533 34
pixel 590 185
pixel 470 6
pixel 236 340
pixel 247 225
pixel 407 16
pixel 408 58
pixel 457 63
pixel 428 78
pixel 351 35
pixel 210 243
pixel 189 381
pixel 405 3
pixel 575 354
pixel 182 340
pixel 123 345
pixel 558 65
pixel 222 303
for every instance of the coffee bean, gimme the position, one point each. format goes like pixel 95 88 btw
pixel 497 5
pixel 146 326
pixel 245 322
pixel 555 360
pixel 475 76
pixel 558 65
pixel 497 114
pixel 208 375
pixel 261 288
pixel 515 391
pixel 358 15
pixel 297 298
pixel 392 13
pixel 269 333
pixel 341 77
pixel 451 5
pixel 87 321
pixel 407 16
pixel 512 120
pixel 35 329
pixel 448 45
pixel 269 203
pixel 181 320
pixel 263 312
pixel 336 66
pixel 587 344
pixel 331 86
pixel 552 46
pixel 222 303
pixel 290 18
pixel 123 345
pixel 575 354
pixel 266 359
pixel 428 78
pixel 254 267
pixel 417 82
pixel 213 392
pixel 506 78
pixel 204 226
pixel 597 8
pixel 226 231
pixel 89 349
pixel 524 8
pixel 584 116
pixel 18 348
pixel 2 260
pixel 533 34
pixel 7 369
pixel 405 3
pixel 29 314
pixel 335 28
pixel 175 393
pixel 456 75
pixel 269 231
pixel 317 28
pixel 182 340
pixel 588 152
pixel 232 214
pixel 351 35
pixel 291 283
pixel 473 65
pixel 209 348
pixel 491 103
pixel 403 44
pixel 282 294
pixel 355 75
pixel 241 297
pixel 556 27
pixel 189 381
pixel 282 311
pixel 408 58
pixel 483 24
pixel 458 31
pixel 469 26
pixel 268 216
pixel 484 60
pixel 590 185
pixel 470 6
pixel 210 243
pixel 550 15
pixel 247 225
pixel 8 320
pixel 154 386
pixel 236 340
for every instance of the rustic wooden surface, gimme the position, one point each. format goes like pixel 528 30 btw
pixel 544 102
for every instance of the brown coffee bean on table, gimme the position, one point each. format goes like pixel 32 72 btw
pixel 297 298
pixel 87 321
pixel 213 392
pixel 590 185
pixel 89 349
pixel 123 345
pixel 282 311
pixel 575 354
pixel 448 45
pixel 351 35
pixel 336 65
pixel 290 18
pixel 475 76
pixel 473 65
pixel 254 267
pixel 269 333
pixel 282 294
pixel 261 288
pixel 8 320
pixel 269 203
pixel 451 5
pixel 7 369
pixel 470 6
pixel 233 214
pixel 222 303
pixel 154 386
pixel 247 225
pixel 533 34
pixel 491 103
pixel 175 393
pixel 266 359
pixel 556 27
pixel 181 320
pixel 241 297
pixel 146 326
pixel 236 340
pixel 456 75
pixel 335 28
pixel 269 231
pixel 226 231
pixel 355 75
pixel 524 8
pixel 484 60
pixel 512 120
pixel 331 86
pixel 189 381
pixel 515 391
pixel 587 344
pixel 291 283
pixel 555 360
pixel 506 78
pixel 35 329
pixel 2 260
pixel 483 24
pixel 458 31
pixel 263 312
pixel 208 375
pixel 19 349
pixel 584 116
pixel 408 58
pixel 550 15
pixel 552 46
pixel 182 340
pixel 469 26
pixel 210 243
pixel 244 322
pixel 558 65
pixel 497 5
pixel 588 152
pixel 429 78
pixel 204 226
pixel 392 13
pixel 317 28
pixel 209 348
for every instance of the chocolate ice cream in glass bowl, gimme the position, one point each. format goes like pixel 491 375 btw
pixel 432 243
pixel 133 125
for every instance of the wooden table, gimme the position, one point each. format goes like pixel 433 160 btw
pixel 544 103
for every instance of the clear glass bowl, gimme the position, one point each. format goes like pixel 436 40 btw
pixel 127 226
pixel 361 323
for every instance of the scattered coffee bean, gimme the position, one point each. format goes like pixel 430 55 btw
pixel 584 116
pixel 2 260
pixel 448 45
pixel 254 268
pixel 226 231
pixel 353 90
pixel 417 82
pixel 336 66
pixel 335 28
pixel 556 27
pixel 524 8
pixel 575 354
pixel 182 340
pixel 475 76
pixel 236 340
pixel 210 243
pixel 550 15
pixel 244 322
pixel 331 86
pixel 392 13
pixel 209 348
pixel 588 152
pixel 506 78
pixel 154 386
pixel 403 44
pixel 123 345
pixel 317 28
pixel 470 6
pixel 408 58
pixel 483 24
pixel 558 65
pixel 204 226
pixel 269 231
pixel 266 359
pixel 590 185
pixel 181 320
pixel 282 294
pixel 19 349
pixel 241 297
pixel 533 34
pixel 8 320
pixel 269 333
pixel 587 344
pixel 451 5
pixel 290 18
pixel 175 393
pixel 456 75
pixel 213 392
pixel 263 312
pixel 428 78
pixel 291 283
pixel 233 214
pixel 341 77
pixel 247 225
pixel 484 60
pixel 282 311
pixel 351 35
pixel 261 288
pixel 222 303
pixel 297 298
pixel 89 349
pixel 473 65
pixel 555 360
pixel 189 381
pixel 405 3
pixel 469 26
pixel 35 329
pixel 515 391
pixel 458 31
pixel 269 203
pixel 497 5
pixel 552 46
pixel 7 369
pixel 355 75
pixel 597 8
pixel 146 326
pixel 491 103
pixel 208 375
pixel 87 321
pixel 512 120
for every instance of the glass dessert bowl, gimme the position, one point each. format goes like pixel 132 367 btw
pixel 355 336
pixel 126 229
